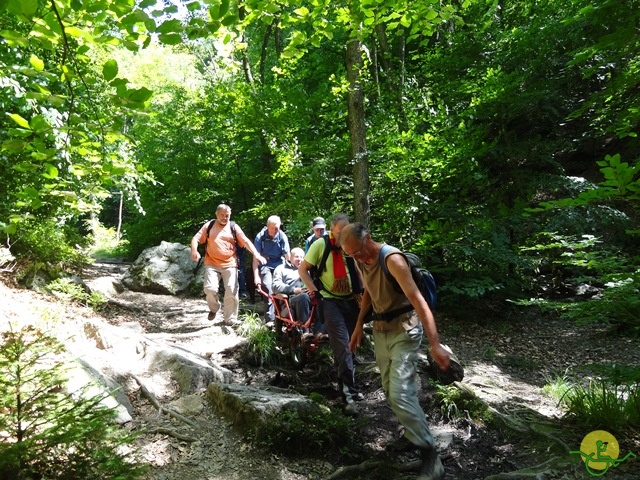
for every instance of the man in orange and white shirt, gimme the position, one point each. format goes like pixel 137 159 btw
pixel 220 261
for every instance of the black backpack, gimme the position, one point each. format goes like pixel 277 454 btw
pixel 423 278
pixel 316 271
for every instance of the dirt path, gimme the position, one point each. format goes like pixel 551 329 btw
pixel 505 364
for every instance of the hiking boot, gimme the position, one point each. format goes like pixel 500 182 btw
pixel 431 468
pixel 211 315
pixel 357 397
pixel 322 337
pixel 351 410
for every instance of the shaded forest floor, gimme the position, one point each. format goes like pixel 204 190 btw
pixel 507 362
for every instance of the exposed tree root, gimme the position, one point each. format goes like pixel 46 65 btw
pixel 349 471
pixel 526 426
pixel 171 433
pixel 126 305
pixel 154 401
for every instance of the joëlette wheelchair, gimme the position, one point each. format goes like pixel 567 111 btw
pixel 294 334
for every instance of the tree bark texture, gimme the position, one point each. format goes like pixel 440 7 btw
pixel 357 132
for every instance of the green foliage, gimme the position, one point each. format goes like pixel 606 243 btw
pixel 571 260
pixel 610 400
pixel 52 241
pixel 603 405
pixel 262 340
pixel 557 388
pixel 456 402
pixel 49 433
pixel 619 305
pixel 475 112
pixel 68 290
pixel 323 433
pixel 106 243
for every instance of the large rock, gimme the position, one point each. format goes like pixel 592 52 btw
pixel 190 371
pixel 165 269
pixel 249 408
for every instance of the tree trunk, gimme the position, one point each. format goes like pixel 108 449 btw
pixel 357 132
pixel 393 73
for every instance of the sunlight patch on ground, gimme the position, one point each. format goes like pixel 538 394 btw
pixel 496 387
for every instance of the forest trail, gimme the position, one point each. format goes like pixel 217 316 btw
pixel 505 365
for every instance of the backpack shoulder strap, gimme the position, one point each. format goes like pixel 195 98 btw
pixel 383 264
pixel 381 259
pixel 211 223
pixel 325 255
pixel 233 231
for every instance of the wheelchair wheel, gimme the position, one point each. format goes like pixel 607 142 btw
pixel 297 348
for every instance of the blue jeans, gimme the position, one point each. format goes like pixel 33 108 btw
pixel 340 318
pixel 266 278
pixel 301 306
pixel 396 357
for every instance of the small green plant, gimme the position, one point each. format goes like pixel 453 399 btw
pixel 48 433
pixel 262 341
pixel 455 401
pixel 67 289
pixel 490 353
pixel 601 404
pixel 323 432
pixel 557 387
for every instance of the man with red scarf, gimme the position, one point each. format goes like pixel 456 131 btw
pixel 336 304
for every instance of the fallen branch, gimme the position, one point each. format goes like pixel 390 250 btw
pixel 349 471
pixel 172 433
pixel 154 401
pixel 538 472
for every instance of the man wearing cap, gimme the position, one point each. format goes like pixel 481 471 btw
pixel 318 226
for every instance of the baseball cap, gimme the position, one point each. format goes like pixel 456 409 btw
pixel 318 222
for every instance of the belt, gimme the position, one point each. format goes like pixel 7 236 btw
pixel 391 314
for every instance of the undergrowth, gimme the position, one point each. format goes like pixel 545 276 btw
pixel 608 400
pixel 323 433
pixel 262 340
pixel 47 432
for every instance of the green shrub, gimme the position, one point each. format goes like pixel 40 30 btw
pixel 48 433
pixel 323 433
pixel 618 305
pixel 53 243
pixel 456 402
pixel 262 341
pixel 68 290
pixel 106 244
pixel 601 405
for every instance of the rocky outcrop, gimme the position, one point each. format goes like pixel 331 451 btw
pixel 166 269
pixel 249 408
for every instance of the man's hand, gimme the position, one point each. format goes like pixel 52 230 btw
pixel 261 260
pixel 195 255
pixel 356 338
pixel 316 296
pixel 441 357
